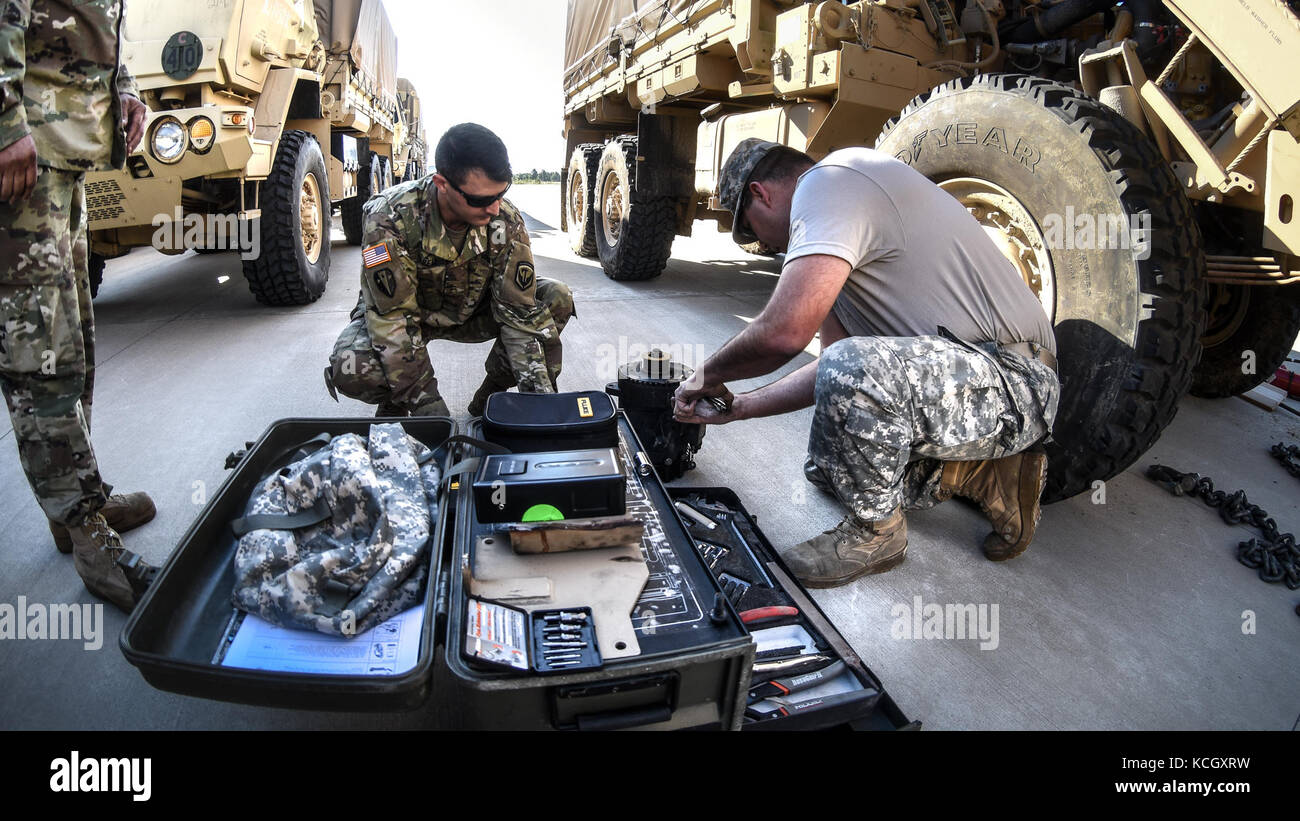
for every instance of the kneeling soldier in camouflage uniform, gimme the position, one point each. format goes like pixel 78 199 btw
pixel 937 373
pixel 446 257
pixel 63 106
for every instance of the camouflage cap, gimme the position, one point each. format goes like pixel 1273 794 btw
pixel 735 179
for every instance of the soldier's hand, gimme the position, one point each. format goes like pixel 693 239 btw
pixel 706 412
pixel 133 117
pixel 692 390
pixel 18 170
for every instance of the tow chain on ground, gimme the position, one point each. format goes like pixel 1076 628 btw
pixel 1289 456
pixel 1276 556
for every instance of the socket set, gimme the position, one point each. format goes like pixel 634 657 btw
pixel 564 640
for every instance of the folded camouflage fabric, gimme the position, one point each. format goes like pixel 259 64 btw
pixel 364 563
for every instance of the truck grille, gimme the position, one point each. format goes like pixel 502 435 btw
pixel 104 200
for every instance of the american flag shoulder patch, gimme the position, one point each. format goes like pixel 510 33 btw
pixel 376 255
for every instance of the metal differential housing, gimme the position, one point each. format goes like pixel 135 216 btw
pixel 645 391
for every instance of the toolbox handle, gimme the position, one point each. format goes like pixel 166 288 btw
pixel 486 447
pixel 622 719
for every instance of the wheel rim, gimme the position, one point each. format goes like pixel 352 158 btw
pixel 309 218
pixel 1015 232
pixel 612 208
pixel 1227 309
pixel 576 199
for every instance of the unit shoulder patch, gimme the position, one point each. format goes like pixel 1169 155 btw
pixel 524 275
pixel 385 282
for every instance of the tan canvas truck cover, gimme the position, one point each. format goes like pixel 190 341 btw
pixel 361 29
pixel 591 23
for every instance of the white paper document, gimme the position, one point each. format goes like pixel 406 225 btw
pixel 388 649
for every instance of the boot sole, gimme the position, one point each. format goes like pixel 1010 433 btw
pixel 887 564
pixel 995 548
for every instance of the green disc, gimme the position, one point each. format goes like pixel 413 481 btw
pixel 542 513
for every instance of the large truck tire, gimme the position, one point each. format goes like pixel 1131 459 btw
pixel 1023 153
pixel 584 166
pixel 368 184
pixel 634 238
pixel 1250 331
pixel 292 265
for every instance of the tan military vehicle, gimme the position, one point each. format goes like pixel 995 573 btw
pixel 264 116
pixel 1138 162
pixel 410 162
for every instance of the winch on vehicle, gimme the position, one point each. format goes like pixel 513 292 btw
pixel 645 391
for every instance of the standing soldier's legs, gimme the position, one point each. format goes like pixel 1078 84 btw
pixel 44 339
pixel 43 350
pixel 890 412
pixel 500 375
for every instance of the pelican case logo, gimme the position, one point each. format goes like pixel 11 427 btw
pixel 385 282
pixel 524 275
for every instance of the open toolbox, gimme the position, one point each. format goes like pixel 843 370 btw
pixel 673 653
pixel 805 675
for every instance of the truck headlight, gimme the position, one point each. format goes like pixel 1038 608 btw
pixel 202 134
pixel 169 140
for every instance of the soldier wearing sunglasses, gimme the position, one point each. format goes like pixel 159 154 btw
pixel 447 257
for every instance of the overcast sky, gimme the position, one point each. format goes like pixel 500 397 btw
pixel 492 62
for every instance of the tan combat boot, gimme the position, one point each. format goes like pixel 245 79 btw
pixel 851 549
pixel 108 570
pixel 1007 490
pixel 123 512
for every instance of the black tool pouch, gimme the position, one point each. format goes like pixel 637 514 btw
pixel 538 422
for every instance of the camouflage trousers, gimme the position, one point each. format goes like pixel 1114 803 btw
pixel 890 411
pixel 364 377
pixel 47 344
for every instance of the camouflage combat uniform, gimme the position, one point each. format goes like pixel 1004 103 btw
pixel 891 410
pixel 366 561
pixel 416 286
pixel 59 81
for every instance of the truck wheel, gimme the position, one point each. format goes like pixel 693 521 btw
pixel 293 263
pixel 583 168
pixel 1250 328
pixel 368 184
pixel 633 237
pixel 95 265
pixel 1025 154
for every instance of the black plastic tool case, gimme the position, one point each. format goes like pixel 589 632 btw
pixel 175 631
pixel 691 672
pixel 874 709
pixel 691 678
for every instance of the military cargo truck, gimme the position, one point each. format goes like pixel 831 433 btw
pixel 410 162
pixel 263 117
pixel 1138 162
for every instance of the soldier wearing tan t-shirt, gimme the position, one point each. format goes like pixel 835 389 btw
pixel 937 374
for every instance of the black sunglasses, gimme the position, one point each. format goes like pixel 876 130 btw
pixel 479 200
